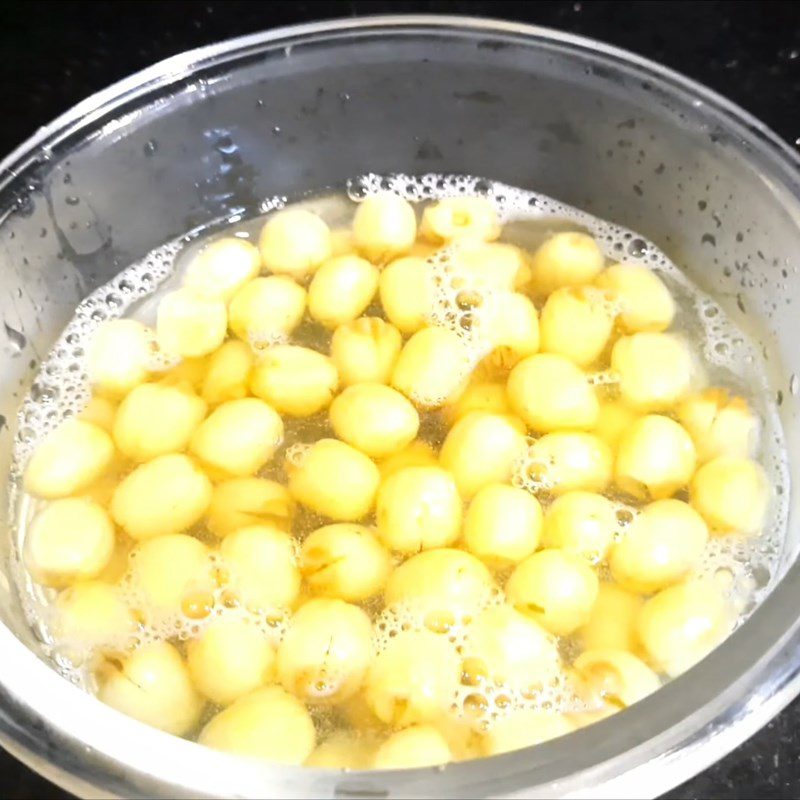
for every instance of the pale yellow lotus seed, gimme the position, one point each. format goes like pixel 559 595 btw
pixel 565 259
pixel 238 437
pixel 154 420
pixel 335 480
pixel 268 723
pixel 295 380
pixel 153 686
pixel 69 540
pixel 294 242
pixel 655 458
pixel 365 350
pixel 341 289
pixel 189 324
pixel 222 268
pixel 550 393
pixel 68 460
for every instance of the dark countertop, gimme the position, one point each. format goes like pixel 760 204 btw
pixel 55 54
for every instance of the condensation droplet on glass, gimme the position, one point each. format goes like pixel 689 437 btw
pixel 71 200
pixel 150 147
pixel 16 339
pixel 794 384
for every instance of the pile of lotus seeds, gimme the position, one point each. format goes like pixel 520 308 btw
pixel 392 495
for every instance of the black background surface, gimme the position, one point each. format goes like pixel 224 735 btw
pixel 54 54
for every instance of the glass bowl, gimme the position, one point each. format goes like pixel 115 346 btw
pixel 210 133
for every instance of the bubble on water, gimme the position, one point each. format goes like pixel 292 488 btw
pixel 297 453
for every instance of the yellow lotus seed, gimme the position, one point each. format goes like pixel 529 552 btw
pixel 524 728
pixel 326 651
pixel 418 508
pixel 511 325
pixel 502 524
pixel 154 420
pixel 230 658
pixel 242 502
pixel 417 746
pixel 655 458
pixel 566 259
pixel 376 419
pixel 732 494
pixel 576 322
pixel 294 242
pixel 261 560
pixel 555 588
pixel 166 495
pixel 413 679
pixel 612 623
pixel 720 425
pixel 655 370
pixel 432 365
pixel 616 676
pixel 119 356
pixel 69 459
pixel 228 374
pixel 550 393
pixel 581 522
pixel 564 461
pixel 515 651
pixel 165 569
pixel 663 544
pixel 153 686
pixel 69 540
pixel 682 624
pixel 481 448
pixel 341 289
pixel 365 350
pixel 384 227
pixel 266 309
pixel 295 380
pixel 407 292
pixel 345 561
pixel 190 325
pixel 646 304
pixel 238 437
pixel 268 723
pixel 222 268
pixel 440 581
pixel 335 480
pixel 460 218
pixel 91 615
